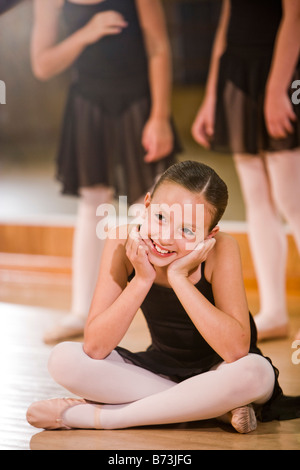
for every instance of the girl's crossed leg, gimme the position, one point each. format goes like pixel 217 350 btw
pixel 131 396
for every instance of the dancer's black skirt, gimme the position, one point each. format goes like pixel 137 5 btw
pixel 101 144
pixel 239 118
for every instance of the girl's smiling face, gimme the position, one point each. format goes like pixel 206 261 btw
pixel 176 220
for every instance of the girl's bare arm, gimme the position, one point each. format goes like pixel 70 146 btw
pixel 50 58
pixel 219 46
pixel 158 48
pixel 116 301
pixel 157 136
pixel 203 125
pixel 278 107
pixel 47 57
pixel 224 326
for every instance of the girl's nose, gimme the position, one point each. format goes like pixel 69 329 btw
pixel 166 235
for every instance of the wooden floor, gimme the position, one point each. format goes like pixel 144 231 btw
pixel 30 304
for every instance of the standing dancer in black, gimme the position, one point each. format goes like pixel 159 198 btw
pixel 248 111
pixel 117 136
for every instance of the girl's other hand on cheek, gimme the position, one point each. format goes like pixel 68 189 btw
pixel 137 253
pixel 186 266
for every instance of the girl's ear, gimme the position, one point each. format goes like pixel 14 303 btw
pixel 213 233
pixel 147 200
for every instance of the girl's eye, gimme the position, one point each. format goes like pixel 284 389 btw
pixel 188 232
pixel 160 217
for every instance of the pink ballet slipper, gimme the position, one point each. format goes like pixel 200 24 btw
pixel 47 414
pixel 297 335
pixel 243 419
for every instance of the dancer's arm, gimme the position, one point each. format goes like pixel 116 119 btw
pixel 278 108
pixel 50 58
pixel 224 326
pixel 157 136
pixel 116 301
pixel 203 126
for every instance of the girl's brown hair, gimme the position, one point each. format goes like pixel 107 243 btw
pixel 202 179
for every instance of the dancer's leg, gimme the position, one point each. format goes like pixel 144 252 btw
pixel 284 170
pixel 110 380
pixel 151 399
pixel 268 244
pixel 87 250
pixel 209 395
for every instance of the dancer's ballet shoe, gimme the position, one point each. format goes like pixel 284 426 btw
pixel 64 330
pixel 297 335
pixel 47 414
pixel 243 419
pixel 277 332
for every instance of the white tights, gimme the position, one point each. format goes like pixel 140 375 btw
pixel 132 396
pixel 87 249
pixel 271 189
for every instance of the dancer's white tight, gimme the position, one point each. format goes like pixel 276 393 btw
pixel 271 190
pixel 132 396
pixel 87 249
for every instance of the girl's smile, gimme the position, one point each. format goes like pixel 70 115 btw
pixel 170 229
pixel 158 250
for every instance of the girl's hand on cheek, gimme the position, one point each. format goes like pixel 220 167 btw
pixel 185 266
pixel 137 253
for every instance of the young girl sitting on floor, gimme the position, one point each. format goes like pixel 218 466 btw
pixel 187 278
